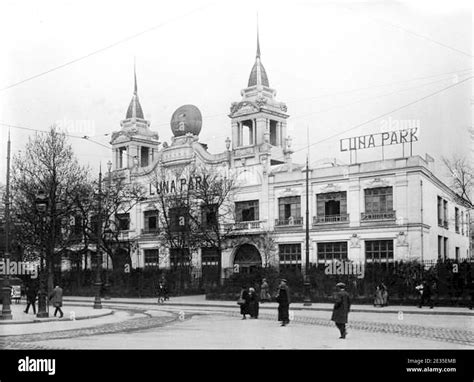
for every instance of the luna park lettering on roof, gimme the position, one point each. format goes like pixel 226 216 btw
pixel 180 185
pixel 381 139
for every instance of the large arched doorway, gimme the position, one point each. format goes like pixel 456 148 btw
pixel 247 258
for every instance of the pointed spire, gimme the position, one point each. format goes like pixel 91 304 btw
pixel 258 41
pixel 135 75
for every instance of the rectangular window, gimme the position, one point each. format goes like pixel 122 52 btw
pixel 144 156
pixel 151 221
pixel 209 257
pixel 209 216
pixel 457 253
pixel 247 211
pixel 378 200
pixel 331 207
pixel 456 219
pixel 445 248
pixel 290 256
pixel 440 247
pixel 462 222
pixel 273 132
pixel 179 257
pixel 152 258
pixel 123 222
pixel 289 211
pixel 332 251
pixel 379 250
pixel 440 212
pixel 178 219
pixel 445 214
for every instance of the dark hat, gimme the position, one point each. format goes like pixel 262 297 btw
pixel 341 285
pixel 284 280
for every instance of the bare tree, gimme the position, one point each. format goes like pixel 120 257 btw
pixel 269 249
pixel 46 165
pixel 461 174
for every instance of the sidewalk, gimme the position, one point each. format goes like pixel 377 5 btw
pixel 70 313
pixel 200 301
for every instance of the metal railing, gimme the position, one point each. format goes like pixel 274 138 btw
pixel 369 216
pixel 342 218
pixel 246 225
pixel 149 231
pixel 288 222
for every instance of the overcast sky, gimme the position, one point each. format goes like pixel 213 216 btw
pixel 336 64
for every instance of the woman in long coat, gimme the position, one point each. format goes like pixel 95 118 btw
pixel 264 291
pixel 244 306
pixel 341 309
pixel 56 299
pixel 378 298
pixel 283 299
pixel 253 303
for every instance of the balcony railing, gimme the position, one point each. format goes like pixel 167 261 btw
pixel 371 216
pixel 247 225
pixel 288 222
pixel 150 231
pixel 342 218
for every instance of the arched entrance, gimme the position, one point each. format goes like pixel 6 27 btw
pixel 247 258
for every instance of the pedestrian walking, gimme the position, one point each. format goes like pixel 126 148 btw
pixel 264 291
pixel 31 293
pixel 253 303
pixel 341 309
pixel 56 299
pixel 283 299
pixel 378 299
pixel 425 295
pixel 244 301
pixel 384 289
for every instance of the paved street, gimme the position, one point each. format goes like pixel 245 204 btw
pixel 194 323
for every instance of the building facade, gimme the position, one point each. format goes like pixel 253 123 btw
pixel 378 211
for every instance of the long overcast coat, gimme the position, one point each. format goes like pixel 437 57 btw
pixel 341 308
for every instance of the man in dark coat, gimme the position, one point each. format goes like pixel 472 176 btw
pixel 425 297
pixel 283 299
pixel 245 301
pixel 56 299
pixel 30 298
pixel 341 309
pixel 253 303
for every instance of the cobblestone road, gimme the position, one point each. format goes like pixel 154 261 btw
pixel 146 320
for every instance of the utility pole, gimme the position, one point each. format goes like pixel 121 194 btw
pixel 6 308
pixel 98 282
pixel 307 284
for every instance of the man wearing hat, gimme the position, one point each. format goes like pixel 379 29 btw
pixel 283 299
pixel 341 309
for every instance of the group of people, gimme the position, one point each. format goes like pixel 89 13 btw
pixel 249 304
pixel 55 297
pixel 381 295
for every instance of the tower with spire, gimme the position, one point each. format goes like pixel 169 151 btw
pixel 134 145
pixel 258 120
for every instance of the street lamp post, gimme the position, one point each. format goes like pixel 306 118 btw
pixel 107 285
pixel 6 306
pixel 41 203
pixel 98 281
pixel 307 285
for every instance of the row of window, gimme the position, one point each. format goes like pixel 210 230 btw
pixel 459 217
pixel 289 254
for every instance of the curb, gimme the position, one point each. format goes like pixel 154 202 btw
pixel 39 320
pixel 353 310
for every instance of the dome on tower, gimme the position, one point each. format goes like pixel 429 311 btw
pixel 258 75
pixel 186 119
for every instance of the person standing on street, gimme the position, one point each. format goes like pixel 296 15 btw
pixel 30 298
pixel 244 301
pixel 264 291
pixel 425 297
pixel 56 299
pixel 253 303
pixel 341 309
pixel 283 299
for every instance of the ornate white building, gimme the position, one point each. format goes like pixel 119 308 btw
pixel 383 210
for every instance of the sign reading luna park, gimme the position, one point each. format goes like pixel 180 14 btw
pixel 386 138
